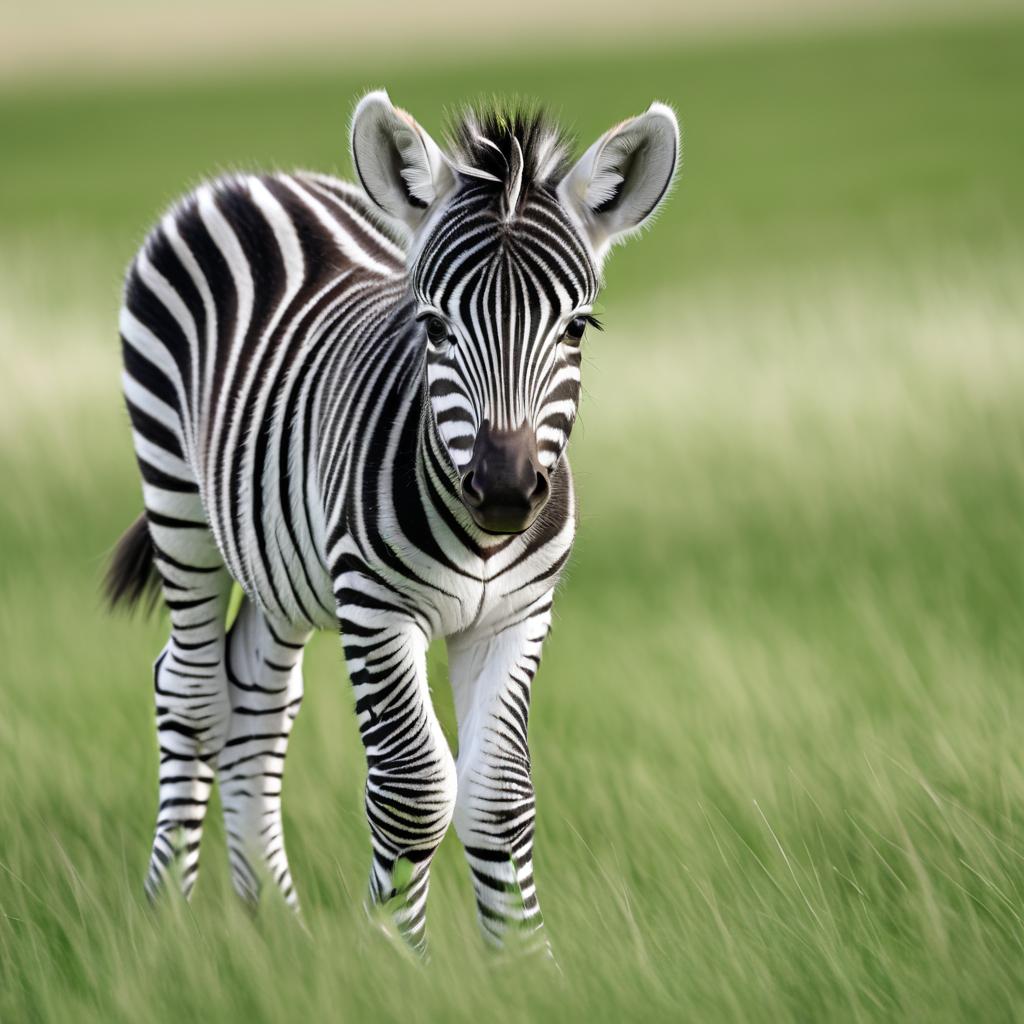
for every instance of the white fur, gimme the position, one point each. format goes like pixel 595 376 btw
pixel 633 163
pixel 395 158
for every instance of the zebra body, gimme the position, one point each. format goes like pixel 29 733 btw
pixel 355 403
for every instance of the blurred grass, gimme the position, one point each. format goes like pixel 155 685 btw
pixel 776 734
pixel 870 144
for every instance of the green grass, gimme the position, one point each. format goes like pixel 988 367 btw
pixel 777 730
pixel 872 144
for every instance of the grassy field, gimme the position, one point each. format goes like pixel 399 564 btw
pixel 777 732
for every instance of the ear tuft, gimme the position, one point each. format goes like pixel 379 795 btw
pixel 621 180
pixel 399 165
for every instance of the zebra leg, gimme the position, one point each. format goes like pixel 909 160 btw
pixel 192 709
pixel 264 668
pixel 410 784
pixel 491 675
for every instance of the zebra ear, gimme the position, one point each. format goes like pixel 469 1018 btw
pixel 620 181
pixel 401 167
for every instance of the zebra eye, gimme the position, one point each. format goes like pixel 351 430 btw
pixel 437 330
pixel 574 330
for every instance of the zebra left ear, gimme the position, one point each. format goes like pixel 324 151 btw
pixel 401 167
pixel 621 180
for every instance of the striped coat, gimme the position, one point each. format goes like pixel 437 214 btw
pixel 355 403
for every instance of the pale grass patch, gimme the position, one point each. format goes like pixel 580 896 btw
pixel 831 386
pixel 857 348
pixel 71 363
pixel 58 336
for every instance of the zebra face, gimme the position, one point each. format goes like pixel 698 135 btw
pixel 503 307
pixel 507 239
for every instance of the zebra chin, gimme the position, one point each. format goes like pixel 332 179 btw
pixel 504 519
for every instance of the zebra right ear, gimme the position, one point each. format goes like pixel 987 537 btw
pixel 400 166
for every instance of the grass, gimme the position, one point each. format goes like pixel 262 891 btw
pixel 777 730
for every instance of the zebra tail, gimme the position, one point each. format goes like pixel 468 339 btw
pixel 132 577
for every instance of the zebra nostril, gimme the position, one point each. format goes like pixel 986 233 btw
pixel 540 490
pixel 470 492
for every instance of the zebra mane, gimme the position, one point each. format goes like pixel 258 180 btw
pixel 516 147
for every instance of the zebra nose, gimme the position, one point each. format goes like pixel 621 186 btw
pixel 505 486
pixel 474 482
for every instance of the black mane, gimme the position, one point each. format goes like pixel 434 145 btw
pixel 483 138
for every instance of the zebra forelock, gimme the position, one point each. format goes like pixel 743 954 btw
pixel 513 148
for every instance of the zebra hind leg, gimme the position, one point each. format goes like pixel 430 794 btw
pixel 264 666
pixel 192 706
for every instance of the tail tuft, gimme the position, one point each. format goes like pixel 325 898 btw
pixel 132 577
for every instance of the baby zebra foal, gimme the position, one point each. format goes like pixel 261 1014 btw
pixel 356 403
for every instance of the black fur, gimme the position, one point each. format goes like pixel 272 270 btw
pixel 498 124
pixel 132 578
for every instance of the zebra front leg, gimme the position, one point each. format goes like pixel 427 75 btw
pixel 410 783
pixel 264 668
pixel 192 709
pixel 491 675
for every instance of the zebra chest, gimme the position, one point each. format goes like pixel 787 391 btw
pixel 461 604
pixel 465 591
pixel 449 591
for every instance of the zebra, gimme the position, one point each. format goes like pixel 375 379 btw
pixel 354 402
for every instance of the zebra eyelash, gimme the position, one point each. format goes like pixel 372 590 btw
pixel 590 318
pixel 576 327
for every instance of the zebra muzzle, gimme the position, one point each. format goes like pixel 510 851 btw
pixel 505 487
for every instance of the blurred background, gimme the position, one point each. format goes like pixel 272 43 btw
pixel 777 731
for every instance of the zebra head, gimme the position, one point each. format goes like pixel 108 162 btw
pixel 506 243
